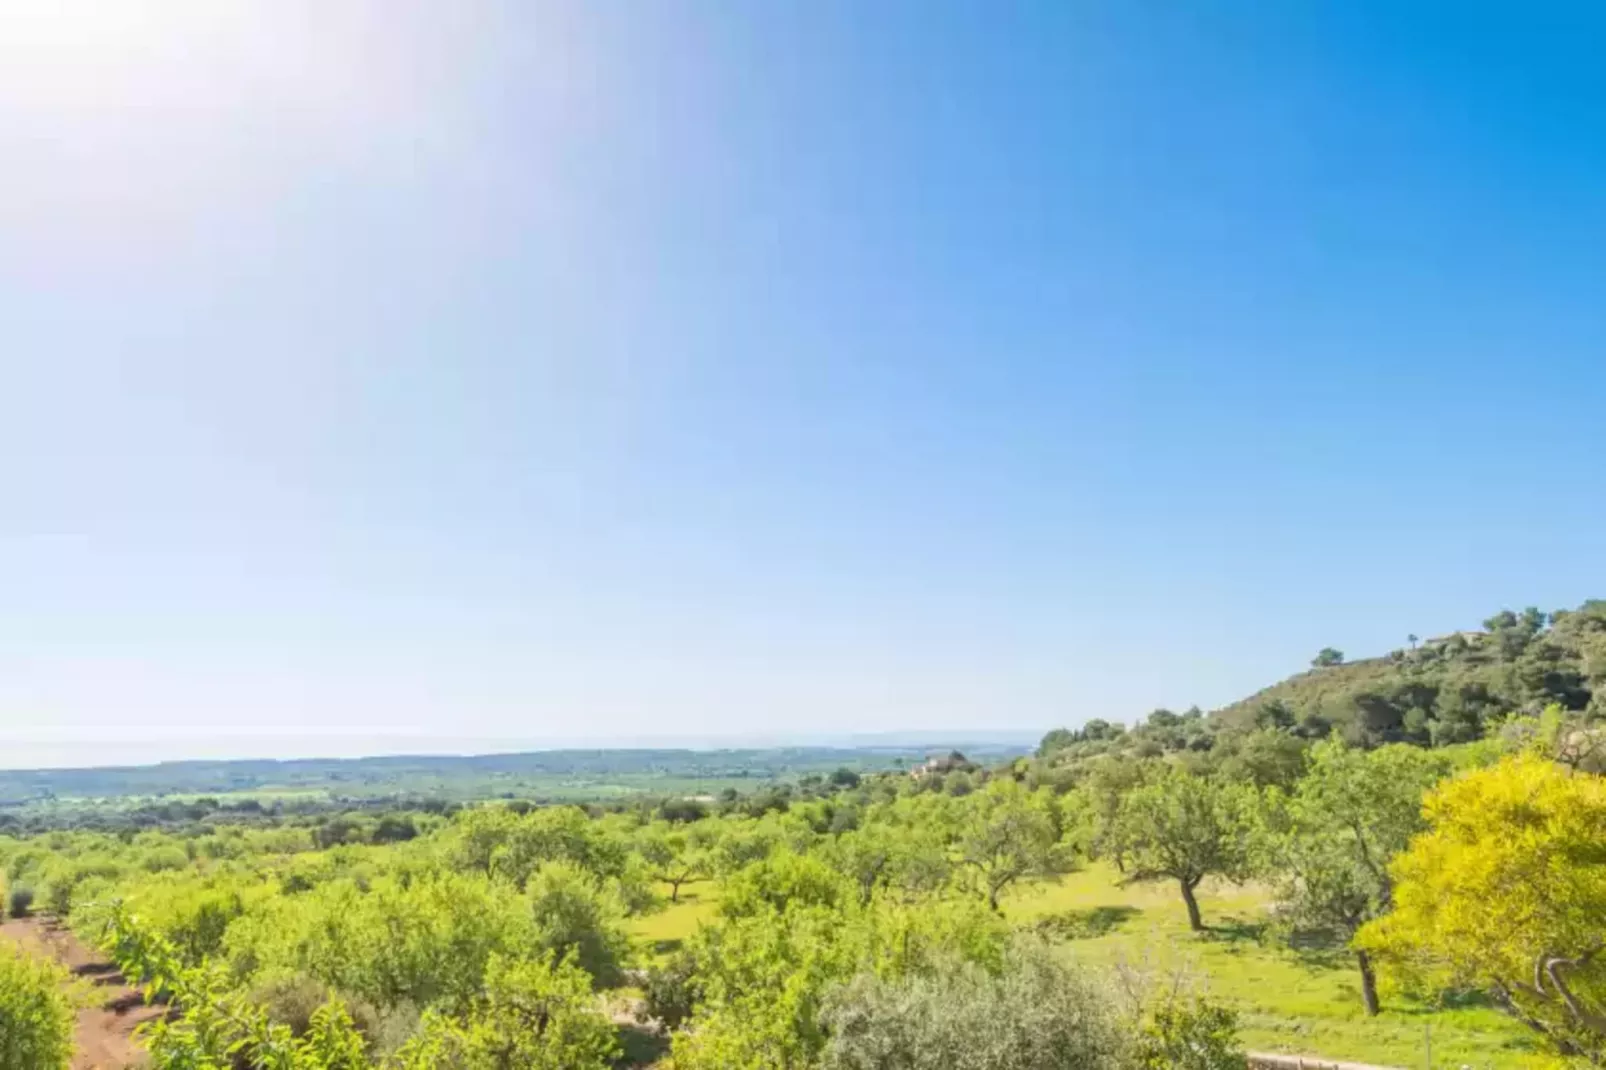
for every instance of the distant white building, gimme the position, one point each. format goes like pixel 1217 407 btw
pixel 947 763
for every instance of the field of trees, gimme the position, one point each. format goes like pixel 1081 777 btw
pixel 1320 871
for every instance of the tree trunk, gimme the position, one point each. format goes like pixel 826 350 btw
pixel 1194 921
pixel 674 891
pixel 992 899
pixel 1368 981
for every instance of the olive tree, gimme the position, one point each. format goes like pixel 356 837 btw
pixel 1185 827
pixel 1007 834
pixel 1347 818
pixel 1039 1013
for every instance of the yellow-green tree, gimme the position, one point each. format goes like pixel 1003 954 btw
pixel 1506 891
pixel 35 1017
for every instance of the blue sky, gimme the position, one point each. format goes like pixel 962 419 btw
pixel 421 374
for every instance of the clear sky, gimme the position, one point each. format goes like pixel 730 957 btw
pixel 528 372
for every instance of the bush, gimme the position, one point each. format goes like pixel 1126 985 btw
pixel 20 902
pixel 1038 1014
pixel 534 1015
pixel 1190 1035
pixel 291 999
pixel 394 828
pixel 577 920
pixel 165 858
pixel 36 1021
pixel 672 990
pixel 294 1000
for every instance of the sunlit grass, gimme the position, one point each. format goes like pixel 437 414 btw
pixel 1288 1001
pixel 663 932
pixel 1302 1002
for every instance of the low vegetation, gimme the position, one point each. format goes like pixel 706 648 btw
pixel 1161 896
pixel 35 1016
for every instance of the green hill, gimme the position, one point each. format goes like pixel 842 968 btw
pixel 1445 689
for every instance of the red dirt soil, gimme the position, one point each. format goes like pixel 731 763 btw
pixel 104 1038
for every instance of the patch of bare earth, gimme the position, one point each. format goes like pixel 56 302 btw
pixel 104 1038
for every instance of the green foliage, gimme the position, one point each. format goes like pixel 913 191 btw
pixel 675 856
pixel 1036 1013
pixel 1185 828
pixel 1506 892
pixel 1189 1034
pixel 578 921
pixel 36 1020
pixel 671 991
pixel 1460 684
pixel 781 882
pixel 533 1015
pixel 762 976
pixel 1008 835
pixel 19 901
pixel 1346 820
pixel 888 902
pixel 418 941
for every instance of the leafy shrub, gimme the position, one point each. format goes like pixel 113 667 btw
pixel 576 919
pixel 295 999
pixel 780 882
pixel 419 941
pixel 534 1015
pixel 672 990
pixel 19 902
pixel 1038 1014
pixel 165 858
pixel 1190 1035
pixel 394 828
pixel 36 1021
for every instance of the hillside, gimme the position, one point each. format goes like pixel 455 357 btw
pixel 1445 689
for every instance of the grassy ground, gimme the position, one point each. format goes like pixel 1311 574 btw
pixel 1302 1002
pixel 662 933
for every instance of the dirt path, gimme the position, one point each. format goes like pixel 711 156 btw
pixel 104 1038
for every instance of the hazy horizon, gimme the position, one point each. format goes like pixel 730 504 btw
pixel 67 754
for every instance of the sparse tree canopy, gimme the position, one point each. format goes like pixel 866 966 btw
pixel 1185 828
pixel 1327 657
pixel 1008 835
pixel 1347 818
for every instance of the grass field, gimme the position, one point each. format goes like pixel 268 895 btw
pixel 1301 1002
pixel 664 931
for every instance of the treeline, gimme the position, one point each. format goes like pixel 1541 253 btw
pixel 1442 690
pixel 1438 692
pixel 860 923
pixel 541 775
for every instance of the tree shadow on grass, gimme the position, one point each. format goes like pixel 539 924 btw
pixel 1447 1001
pixel 667 947
pixel 640 1045
pixel 1233 930
pixel 1085 924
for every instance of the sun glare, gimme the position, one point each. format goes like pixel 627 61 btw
pixel 79 52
